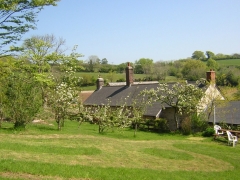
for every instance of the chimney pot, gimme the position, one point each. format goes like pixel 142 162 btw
pixel 129 75
pixel 211 76
pixel 100 83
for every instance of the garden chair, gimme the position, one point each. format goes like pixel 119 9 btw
pixel 217 128
pixel 231 139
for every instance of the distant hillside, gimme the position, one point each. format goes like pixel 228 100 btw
pixel 229 62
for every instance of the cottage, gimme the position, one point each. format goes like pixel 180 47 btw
pixel 119 93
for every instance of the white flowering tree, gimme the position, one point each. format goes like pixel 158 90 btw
pixel 64 93
pixel 62 97
pixel 138 109
pixel 183 97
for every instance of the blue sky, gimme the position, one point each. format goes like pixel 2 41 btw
pixel 127 30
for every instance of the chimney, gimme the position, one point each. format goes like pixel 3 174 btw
pixel 211 76
pixel 129 75
pixel 100 83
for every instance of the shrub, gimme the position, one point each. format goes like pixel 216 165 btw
pixel 23 99
pixel 121 80
pixel 157 125
pixel 199 123
pixel 208 132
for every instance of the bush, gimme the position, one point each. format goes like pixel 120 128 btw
pixel 162 125
pixel 121 80
pixel 208 132
pixel 199 123
pixel 24 99
pixel 156 125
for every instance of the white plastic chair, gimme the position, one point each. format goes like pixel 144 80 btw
pixel 231 139
pixel 217 128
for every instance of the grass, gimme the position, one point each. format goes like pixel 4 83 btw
pixel 229 62
pixel 115 77
pixel 42 152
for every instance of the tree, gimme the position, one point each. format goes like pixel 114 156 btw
pixel 121 67
pixel 23 98
pixel 6 67
pixel 160 70
pixel 194 70
pixel 93 63
pixel 228 77
pixel 64 93
pixel 104 61
pixel 41 52
pixel 199 55
pixel 209 54
pixel 212 64
pixel 182 97
pixel 17 17
pixel 144 65
pixel 220 56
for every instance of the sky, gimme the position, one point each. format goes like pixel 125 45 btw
pixel 126 30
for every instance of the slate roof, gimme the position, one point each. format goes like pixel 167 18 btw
pixel 229 113
pixel 135 83
pixel 117 95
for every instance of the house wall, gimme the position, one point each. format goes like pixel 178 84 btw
pixel 168 113
pixel 211 94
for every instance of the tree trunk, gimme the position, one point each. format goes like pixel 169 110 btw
pixel 59 124
pixel 176 118
pixel 99 126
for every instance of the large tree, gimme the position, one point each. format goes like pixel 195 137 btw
pixel 23 98
pixel 212 64
pixel 160 70
pixel 209 54
pixel 144 65
pixel 194 70
pixel 41 52
pixel 93 63
pixel 16 18
pixel 199 55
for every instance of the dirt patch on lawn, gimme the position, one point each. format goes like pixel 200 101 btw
pixel 196 138
pixel 35 177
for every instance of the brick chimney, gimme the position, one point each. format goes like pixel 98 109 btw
pixel 211 77
pixel 129 75
pixel 100 83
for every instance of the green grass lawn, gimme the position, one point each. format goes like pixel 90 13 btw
pixel 42 152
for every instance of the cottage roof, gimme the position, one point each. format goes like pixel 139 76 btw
pixel 118 95
pixel 229 113
pixel 135 83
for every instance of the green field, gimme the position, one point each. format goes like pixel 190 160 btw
pixel 115 76
pixel 229 62
pixel 42 152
